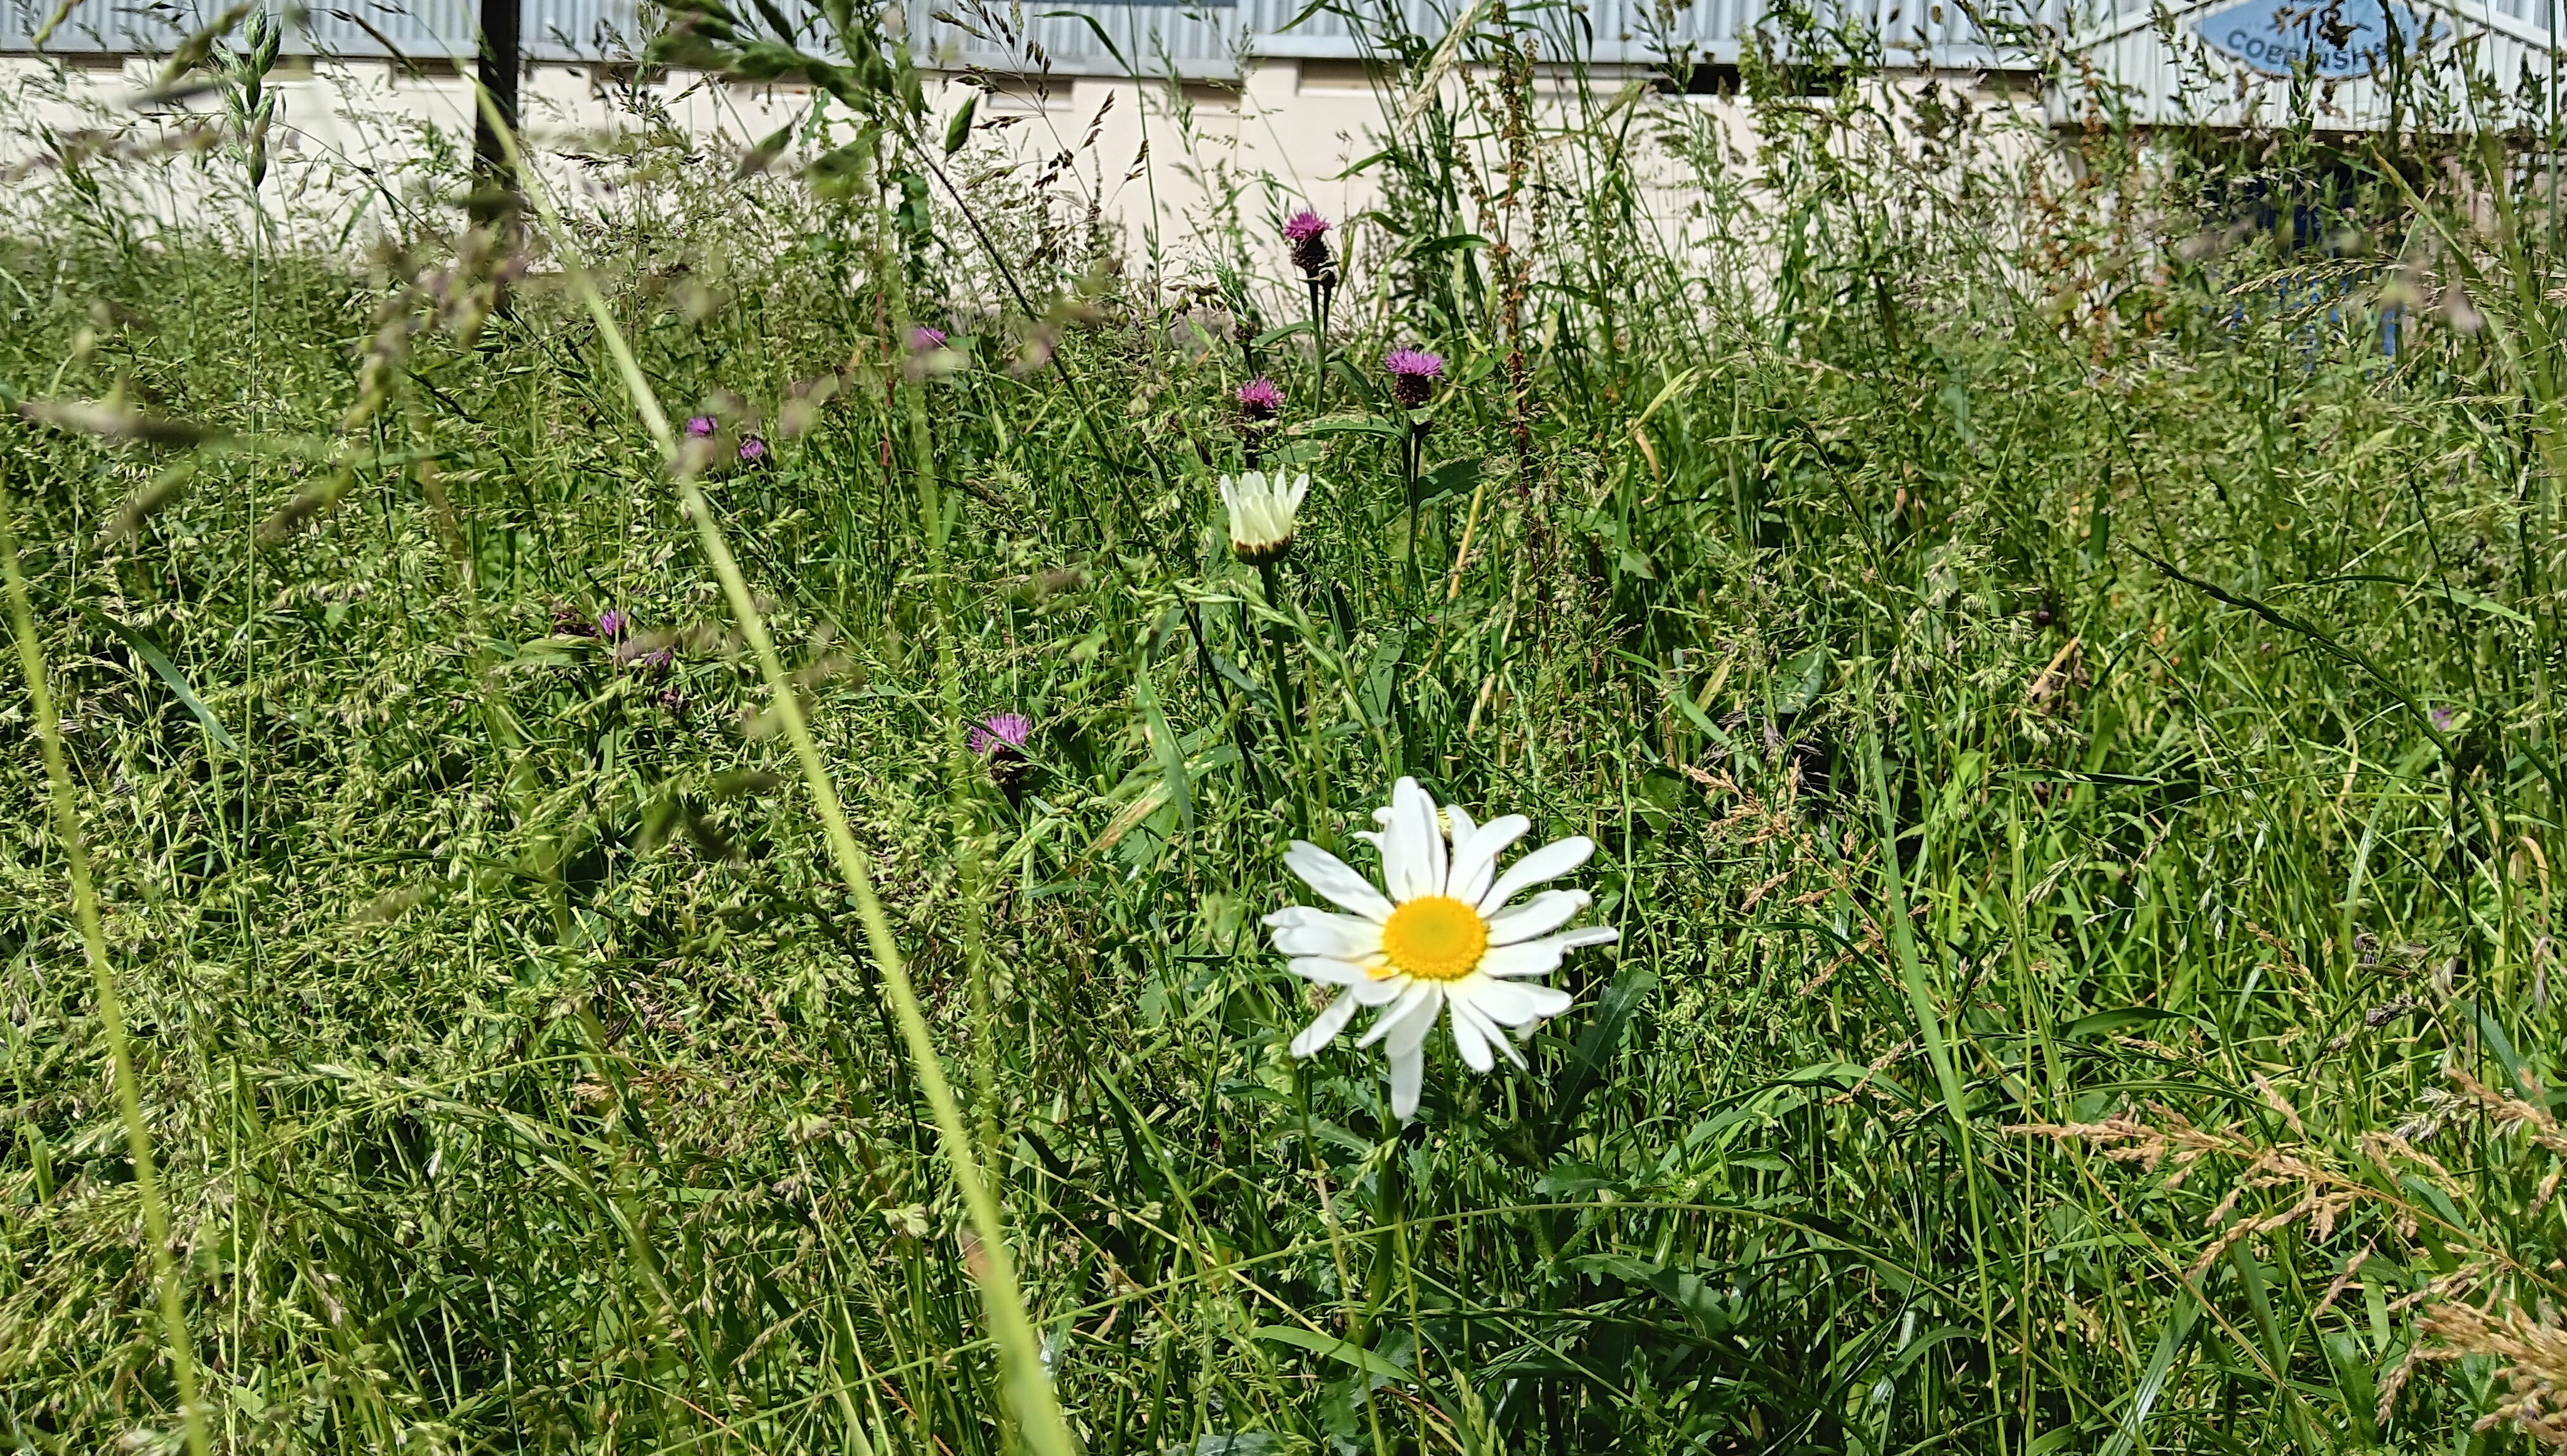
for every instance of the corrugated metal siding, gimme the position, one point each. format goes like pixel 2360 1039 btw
pixel 1194 40
pixel 555 30
pixel 1606 32
pixel 1105 38
pixel 1642 32
pixel 94 27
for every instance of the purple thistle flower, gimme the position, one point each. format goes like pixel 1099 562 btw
pixel 1413 373
pixel 1260 400
pixel 1308 232
pixel 656 660
pixel 1001 733
pixel 613 623
pixel 1414 361
pixel 922 338
pixel 2443 717
pixel 1001 738
pixel 753 450
pixel 701 425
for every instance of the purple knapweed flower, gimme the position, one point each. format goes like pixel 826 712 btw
pixel 752 450
pixel 1308 232
pixel 1413 373
pixel 613 623
pixel 701 425
pixel 923 339
pixel 656 660
pixel 1001 733
pixel 2443 717
pixel 1260 400
pixel 1001 738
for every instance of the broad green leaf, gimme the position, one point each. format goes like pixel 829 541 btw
pixel 168 670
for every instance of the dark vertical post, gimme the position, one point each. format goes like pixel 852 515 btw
pixel 499 64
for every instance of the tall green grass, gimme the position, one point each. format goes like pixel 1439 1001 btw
pixel 2065 707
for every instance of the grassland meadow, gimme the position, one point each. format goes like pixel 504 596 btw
pixel 1840 773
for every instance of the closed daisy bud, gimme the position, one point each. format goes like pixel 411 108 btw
pixel 1263 511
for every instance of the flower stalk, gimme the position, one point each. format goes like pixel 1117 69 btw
pixel 1413 373
pixel 1308 231
pixel 1278 665
pixel 1264 512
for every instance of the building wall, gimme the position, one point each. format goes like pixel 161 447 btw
pixel 1160 160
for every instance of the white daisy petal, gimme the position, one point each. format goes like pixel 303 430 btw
pixel 1328 970
pixel 1459 828
pixel 1336 881
pixel 1469 1039
pixel 1541 915
pixel 1417 994
pixel 1381 991
pixel 1392 841
pixel 1343 936
pixel 1537 958
pixel 1531 958
pixel 1474 857
pixel 1407 1081
pixel 1547 863
pixel 1405 854
pixel 1411 1032
pixel 1323 1027
pixel 1468 1009
pixel 1515 1002
pixel 1415 801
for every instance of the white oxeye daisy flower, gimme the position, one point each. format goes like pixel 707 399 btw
pixel 1262 510
pixel 1444 937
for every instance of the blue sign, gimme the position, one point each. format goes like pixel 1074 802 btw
pixel 2335 39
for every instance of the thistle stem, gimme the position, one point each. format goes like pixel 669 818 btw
pixel 1412 451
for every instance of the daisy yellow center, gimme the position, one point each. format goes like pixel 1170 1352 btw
pixel 1435 937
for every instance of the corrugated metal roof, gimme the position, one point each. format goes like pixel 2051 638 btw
pixel 555 30
pixel 1084 37
pixel 1210 40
